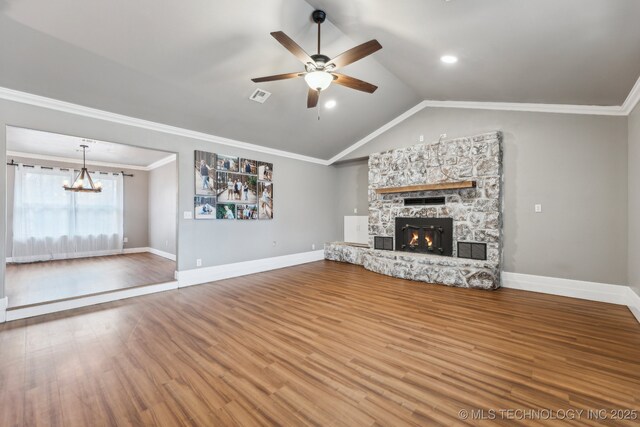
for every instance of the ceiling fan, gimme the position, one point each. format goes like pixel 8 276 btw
pixel 320 69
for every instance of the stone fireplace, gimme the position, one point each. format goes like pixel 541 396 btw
pixel 432 199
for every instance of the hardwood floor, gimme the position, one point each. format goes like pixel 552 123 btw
pixel 39 282
pixel 319 344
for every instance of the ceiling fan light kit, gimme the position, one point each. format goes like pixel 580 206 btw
pixel 320 69
pixel 318 80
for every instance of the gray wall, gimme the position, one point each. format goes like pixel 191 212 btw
pixel 634 200
pixel 135 200
pixel 574 165
pixel 303 192
pixel 162 202
pixel 353 181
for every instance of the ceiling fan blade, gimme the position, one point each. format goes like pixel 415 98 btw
pixel 353 83
pixel 355 54
pixel 276 77
pixel 292 47
pixel 312 98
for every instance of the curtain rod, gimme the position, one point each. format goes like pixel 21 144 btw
pixel 12 163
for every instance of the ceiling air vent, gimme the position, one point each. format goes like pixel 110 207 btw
pixel 260 96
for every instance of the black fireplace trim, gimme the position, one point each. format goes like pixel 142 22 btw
pixel 445 245
pixel 383 243
pixel 421 201
pixel 472 250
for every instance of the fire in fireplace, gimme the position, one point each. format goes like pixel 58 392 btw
pixel 426 235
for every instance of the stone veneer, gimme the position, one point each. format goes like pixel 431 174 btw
pixel 476 212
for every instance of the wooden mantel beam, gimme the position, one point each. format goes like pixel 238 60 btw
pixel 457 185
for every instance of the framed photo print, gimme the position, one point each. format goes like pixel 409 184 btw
pixel 265 171
pixel 248 166
pixel 205 173
pixel 226 211
pixel 246 212
pixel 204 207
pixel 265 204
pixel 236 188
pixel 249 189
pixel 227 163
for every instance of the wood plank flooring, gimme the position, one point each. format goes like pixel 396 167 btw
pixel 38 282
pixel 321 344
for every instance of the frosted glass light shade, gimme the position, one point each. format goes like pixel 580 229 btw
pixel 318 80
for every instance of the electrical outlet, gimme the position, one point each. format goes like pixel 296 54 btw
pixel 421 138
pixel 126 240
pixel 188 215
pixel 166 243
pixel 274 243
pixel 313 246
pixel 355 210
pixel 537 208
pixel 198 262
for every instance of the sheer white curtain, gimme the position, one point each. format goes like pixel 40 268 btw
pixel 51 223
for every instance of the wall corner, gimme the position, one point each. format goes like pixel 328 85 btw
pixel 4 302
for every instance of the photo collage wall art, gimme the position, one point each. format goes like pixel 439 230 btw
pixel 229 187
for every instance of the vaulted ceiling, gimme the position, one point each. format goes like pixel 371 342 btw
pixel 189 64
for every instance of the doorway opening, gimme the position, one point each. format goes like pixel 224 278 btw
pixel 78 229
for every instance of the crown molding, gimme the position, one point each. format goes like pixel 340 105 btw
pixel 632 99
pixel 402 117
pixel 67 107
pixel 595 110
pixel 624 110
pixel 75 161
pixel 170 158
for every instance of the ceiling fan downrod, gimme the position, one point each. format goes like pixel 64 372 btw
pixel 318 17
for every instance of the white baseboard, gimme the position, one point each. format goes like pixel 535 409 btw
pixel 226 271
pixel 163 254
pixel 53 307
pixel 634 303
pixel 3 309
pixel 603 292
pixel 135 250
pixel 124 251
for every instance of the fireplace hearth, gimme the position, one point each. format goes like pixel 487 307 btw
pixel 425 235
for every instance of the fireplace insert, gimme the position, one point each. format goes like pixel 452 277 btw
pixel 426 235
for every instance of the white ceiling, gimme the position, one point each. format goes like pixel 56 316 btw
pixel 38 143
pixel 189 64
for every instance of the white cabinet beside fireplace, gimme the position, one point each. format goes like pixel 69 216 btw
pixel 356 229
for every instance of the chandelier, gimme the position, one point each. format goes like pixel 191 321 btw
pixel 83 182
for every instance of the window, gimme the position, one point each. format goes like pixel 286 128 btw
pixel 51 223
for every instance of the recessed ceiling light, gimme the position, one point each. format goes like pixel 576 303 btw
pixel 330 104
pixel 449 59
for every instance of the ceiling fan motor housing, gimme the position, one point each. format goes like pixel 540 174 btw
pixel 318 16
pixel 320 62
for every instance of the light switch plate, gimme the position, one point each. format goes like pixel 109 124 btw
pixel 188 215
pixel 538 208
